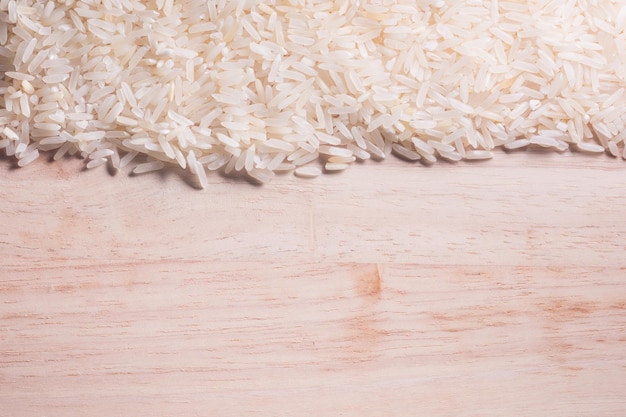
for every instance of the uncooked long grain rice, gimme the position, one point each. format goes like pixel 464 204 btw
pixel 590 147
pixel 273 85
pixel 308 171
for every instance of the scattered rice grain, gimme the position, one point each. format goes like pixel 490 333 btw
pixel 308 171
pixel 148 167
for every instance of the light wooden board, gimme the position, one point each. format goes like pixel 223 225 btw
pixel 484 289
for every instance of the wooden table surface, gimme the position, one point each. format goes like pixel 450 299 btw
pixel 478 289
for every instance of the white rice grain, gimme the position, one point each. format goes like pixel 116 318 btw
pixel 613 149
pixel 96 163
pixel 544 141
pixel 478 154
pixel 101 154
pixel 330 166
pixel 308 171
pixel 590 147
pixel 148 167
pixel 27 158
pixel 517 144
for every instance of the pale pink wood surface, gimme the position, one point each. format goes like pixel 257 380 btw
pixel 490 289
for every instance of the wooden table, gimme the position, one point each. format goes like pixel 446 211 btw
pixel 478 289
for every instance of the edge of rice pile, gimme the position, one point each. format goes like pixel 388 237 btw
pixel 267 86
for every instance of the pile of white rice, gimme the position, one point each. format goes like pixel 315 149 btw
pixel 261 86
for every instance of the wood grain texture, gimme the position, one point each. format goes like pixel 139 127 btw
pixel 484 289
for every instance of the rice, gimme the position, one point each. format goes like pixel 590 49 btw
pixel 308 171
pixel 263 86
pixel 148 167
pixel 590 147
pixel 335 166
